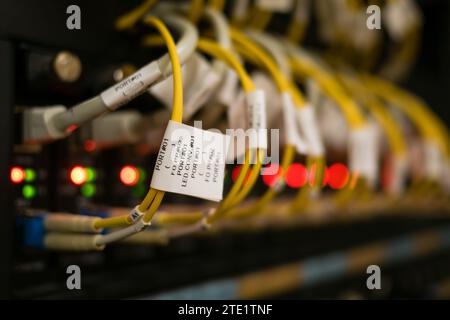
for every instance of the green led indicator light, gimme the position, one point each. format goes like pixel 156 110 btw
pixel 30 175
pixel 88 190
pixel 29 192
pixel 91 174
pixel 138 190
pixel 142 175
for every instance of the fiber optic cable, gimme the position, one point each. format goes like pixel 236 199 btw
pixel 299 20
pixel 434 133
pixel 212 48
pixel 252 52
pixel 153 196
pixel 218 5
pixel 391 129
pixel 315 157
pixel 129 20
pixel 142 215
pixel 303 66
pixel 195 10
pixel 61 121
pixel 259 19
pixel 241 184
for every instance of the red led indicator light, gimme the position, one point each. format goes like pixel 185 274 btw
pixel 338 176
pixel 129 175
pixel 90 146
pixel 296 175
pixel 78 175
pixel 17 175
pixel 235 173
pixel 271 174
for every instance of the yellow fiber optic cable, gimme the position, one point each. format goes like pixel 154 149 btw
pixel 354 116
pixel 236 194
pixel 196 10
pixel 255 54
pixel 129 20
pixel 154 197
pixel 351 111
pixel 260 18
pixel 219 5
pixel 242 185
pixel 405 52
pixel 296 29
pixel 377 110
pixel 429 125
pixel 414 109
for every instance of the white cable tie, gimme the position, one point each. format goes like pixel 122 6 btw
pixel 135 214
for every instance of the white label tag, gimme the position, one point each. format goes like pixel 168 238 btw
pixel 399 171
pixel 264 82
pixel 308 126
pixel 257 119
pixel 191 162
pixel 282 6
pixel 400 16
pixel 201 92
pixel 313 92
pixel 363 38
pixel 237 118
pixel 290 125
pixel 302 11
pixel 236 112
pixel 131 87
pixel 332 125
pixel 434 163
pixel 363 153
pixel 199 83
pixel 240 9
pixel 228 91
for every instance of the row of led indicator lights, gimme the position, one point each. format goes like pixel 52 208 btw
pixel 26 176
pixel 297 176
pixel 129 175
pixel 84 177
pixel 81 176
pixel 336 176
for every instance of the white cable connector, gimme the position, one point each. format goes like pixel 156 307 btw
pixel 156 237
pixel 201 78
pixel 121 234
pixel 274 48
pixel 399 171
pixel 47 124
pixel 291 125
pixel 364 153
pixel 434 161
pixel 64 222
pixel 257 118
pixel 72 242
pixel 116 129
pixel 307 121
pixel 200 226
pixel 38 125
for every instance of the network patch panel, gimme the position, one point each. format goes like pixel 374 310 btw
pixel 228 149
